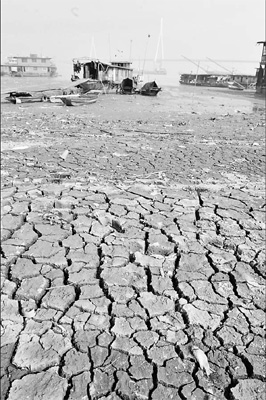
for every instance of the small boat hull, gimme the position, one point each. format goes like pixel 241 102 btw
pixel 19 100
pixel 16 97
pixel 90 85
pixel 78 100
pixel 153 92
pixel 150 89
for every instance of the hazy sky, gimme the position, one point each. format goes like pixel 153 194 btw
pixel 64 29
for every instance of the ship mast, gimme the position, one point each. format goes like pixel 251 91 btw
pixel 160 41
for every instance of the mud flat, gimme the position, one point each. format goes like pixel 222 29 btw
pixel 132 230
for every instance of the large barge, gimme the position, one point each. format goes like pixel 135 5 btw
pixel 29 66
pixel 218 80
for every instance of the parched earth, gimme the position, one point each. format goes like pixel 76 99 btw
pixel 130 233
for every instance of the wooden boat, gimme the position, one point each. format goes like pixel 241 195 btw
pixel 60 97
pixel 64 95
pixel 150 89
pixel 71 101
pixel 220 80
pixel 127 86
pixel 206 80
pixel 50 94
pixel 25 97
pixel 86 84
pixel 79 100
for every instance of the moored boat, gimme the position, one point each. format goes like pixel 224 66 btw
pixel 78 100
pixel 89 84
pixel 25 97
pixel 50 94
pixel 150 89
pixel 127 86
pixel 216 80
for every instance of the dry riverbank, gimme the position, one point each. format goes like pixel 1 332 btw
pixel 132 230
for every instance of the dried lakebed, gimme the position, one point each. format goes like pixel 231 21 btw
pixel 118 255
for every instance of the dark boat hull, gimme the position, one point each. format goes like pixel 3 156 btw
pixel 91 85
pixel 18 100
pixel 150 89
pixel 150 93
pixel 127 86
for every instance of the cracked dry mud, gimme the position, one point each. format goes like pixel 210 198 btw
pixel 146 239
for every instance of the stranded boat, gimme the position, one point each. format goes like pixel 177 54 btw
pixel 150 89
pixel 217 80
pixel 29 66
pixel 25 97
pixel 79 99
pixel 127 86
pixel 100 75
pixel 49 94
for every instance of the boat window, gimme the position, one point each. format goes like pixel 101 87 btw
pixel 24 60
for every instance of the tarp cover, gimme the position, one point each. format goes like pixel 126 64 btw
pixel 149 85
pixel 127 83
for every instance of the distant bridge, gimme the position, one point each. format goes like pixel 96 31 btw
pixel 200 60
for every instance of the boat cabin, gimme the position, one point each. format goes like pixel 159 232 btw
pixel 114 71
